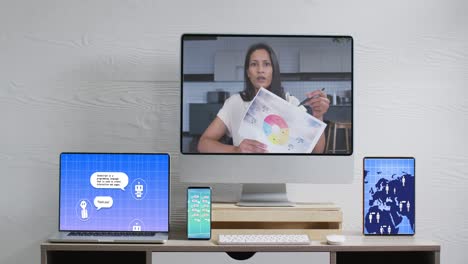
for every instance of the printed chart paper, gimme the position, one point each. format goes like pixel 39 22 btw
pixel 283 127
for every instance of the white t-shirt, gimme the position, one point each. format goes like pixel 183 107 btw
pixel 234 110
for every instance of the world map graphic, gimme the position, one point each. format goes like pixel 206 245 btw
pixel 389 198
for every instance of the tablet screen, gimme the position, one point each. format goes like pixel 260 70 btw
pixel 389 196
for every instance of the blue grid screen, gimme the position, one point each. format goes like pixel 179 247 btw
pixel 389 196
pixel 114 192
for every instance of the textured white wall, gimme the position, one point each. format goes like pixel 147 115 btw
pixel 103 76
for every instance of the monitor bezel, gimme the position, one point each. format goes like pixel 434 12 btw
pixel 118 153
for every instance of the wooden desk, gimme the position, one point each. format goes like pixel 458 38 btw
pixel 356 249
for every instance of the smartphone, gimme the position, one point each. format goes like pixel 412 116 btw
pixel 199 213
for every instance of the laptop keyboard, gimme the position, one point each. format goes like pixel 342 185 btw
pixel 116 234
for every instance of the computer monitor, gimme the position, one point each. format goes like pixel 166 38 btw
pixel 266 110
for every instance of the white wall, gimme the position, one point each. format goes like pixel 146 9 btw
pixel 103 76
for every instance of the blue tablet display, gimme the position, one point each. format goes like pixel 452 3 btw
pixel 389 196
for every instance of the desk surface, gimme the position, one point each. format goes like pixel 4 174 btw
pixel 353 243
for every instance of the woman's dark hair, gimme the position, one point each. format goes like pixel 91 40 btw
pixel 275 87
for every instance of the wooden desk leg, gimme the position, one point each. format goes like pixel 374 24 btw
pixel 332 257
pixel 43 255
pixel 328 139
pixel 334 139
pixel 347 140
pixel 149 256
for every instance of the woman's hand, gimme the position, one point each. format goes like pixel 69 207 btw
pixel 319 103
pixel 251 146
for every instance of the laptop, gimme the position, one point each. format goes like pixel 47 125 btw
pixel 113 198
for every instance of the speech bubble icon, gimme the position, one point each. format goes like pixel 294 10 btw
pixel 103 202
pixel 109 180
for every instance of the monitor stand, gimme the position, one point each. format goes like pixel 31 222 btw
pixel 264 195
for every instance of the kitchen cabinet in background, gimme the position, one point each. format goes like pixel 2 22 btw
pixel 331 59
pixel 229 66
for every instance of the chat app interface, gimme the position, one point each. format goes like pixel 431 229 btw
pixel 114 192
pixel 199 213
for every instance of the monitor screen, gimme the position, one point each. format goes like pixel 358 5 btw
pixel 266 94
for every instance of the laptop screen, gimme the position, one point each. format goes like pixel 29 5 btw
pixel 114 192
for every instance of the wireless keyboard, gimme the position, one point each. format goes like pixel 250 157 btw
pixel 264 239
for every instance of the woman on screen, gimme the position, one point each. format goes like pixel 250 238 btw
pixel 261 70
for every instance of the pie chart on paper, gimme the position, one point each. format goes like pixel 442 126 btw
pixel 276 129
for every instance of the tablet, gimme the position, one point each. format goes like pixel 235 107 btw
pixel 389 196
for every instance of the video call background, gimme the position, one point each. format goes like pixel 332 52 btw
pixel 199 57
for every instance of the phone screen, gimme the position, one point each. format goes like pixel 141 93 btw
pixel 199 213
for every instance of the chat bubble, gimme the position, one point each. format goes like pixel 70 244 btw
pixel 103 202
pixel 109 180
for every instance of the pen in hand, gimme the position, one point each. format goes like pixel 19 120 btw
pixel 310 98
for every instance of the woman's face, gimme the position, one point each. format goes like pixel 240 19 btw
pixel 260 69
